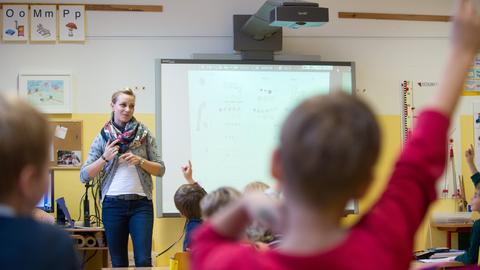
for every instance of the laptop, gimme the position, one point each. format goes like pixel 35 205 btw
pixel 63 206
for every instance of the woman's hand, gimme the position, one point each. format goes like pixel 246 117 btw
pixel 131 158
pixel 111 150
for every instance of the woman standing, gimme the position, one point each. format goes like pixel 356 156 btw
pixel 125 155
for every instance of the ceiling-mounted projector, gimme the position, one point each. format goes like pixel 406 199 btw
pixel 298 14
pixel 258 36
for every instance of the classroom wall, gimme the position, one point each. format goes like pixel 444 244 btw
pixel 121 48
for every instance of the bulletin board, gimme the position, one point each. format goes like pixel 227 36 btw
pixel 66 150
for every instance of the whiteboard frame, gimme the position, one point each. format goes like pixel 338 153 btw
pixel 158 108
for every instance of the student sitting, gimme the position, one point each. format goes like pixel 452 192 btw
pixel 24 150
pixel 258 186
pixel 187 200
pixel 255 232
pixel 218 199
pixel 328 148
pixel 471 254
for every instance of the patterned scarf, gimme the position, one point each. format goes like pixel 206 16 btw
pixel 131 136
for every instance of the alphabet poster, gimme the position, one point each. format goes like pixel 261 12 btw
pixel 15 23
pixel 43 22
pixel 71 22
pixel 472 85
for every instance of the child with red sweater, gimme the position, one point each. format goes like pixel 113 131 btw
pixel 328 148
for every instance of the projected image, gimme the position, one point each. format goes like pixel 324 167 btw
pixel 226 116
pixel 237 116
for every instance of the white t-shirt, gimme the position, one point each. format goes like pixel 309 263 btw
pixel 125 180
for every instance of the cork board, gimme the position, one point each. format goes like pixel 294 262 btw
pixel 66 150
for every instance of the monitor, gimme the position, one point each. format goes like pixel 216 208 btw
pixel 46 203
pixel 225 116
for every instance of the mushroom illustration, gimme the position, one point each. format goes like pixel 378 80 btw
pixel 71 26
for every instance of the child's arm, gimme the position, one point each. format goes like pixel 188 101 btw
pixel 470 157
pixel 402 207
pixel 188 173
pixel 465 38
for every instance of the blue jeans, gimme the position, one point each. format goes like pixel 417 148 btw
pixel 123 217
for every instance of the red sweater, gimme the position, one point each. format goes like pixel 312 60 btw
pixel 382 239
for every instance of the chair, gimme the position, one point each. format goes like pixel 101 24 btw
pixel 180 261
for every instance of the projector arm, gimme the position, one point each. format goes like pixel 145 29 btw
pixel 258 25
pixel 257 36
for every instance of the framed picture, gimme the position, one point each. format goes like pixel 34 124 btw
pixel 50 93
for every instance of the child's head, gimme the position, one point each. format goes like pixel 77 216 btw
pixel 475 204
pixel 187 200
pixel 256 186
pixel 328 146
pixel 217 199
pixel 24 147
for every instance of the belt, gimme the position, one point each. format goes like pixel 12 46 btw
pixel 127 197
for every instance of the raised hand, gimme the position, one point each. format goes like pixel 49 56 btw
pixel 470 154
pixel 188 173
pixel 466 27
pixel 470 157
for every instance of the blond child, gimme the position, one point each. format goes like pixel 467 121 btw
pixel 217 200
pixel 258 186
pixel 328 148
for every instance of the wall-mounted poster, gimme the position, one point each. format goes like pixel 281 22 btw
pixel 472 84
pixel 49 93
pixel 43 23
pixel 71 23
pixel 15 23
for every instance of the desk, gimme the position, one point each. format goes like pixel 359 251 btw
pixel 416 265
pixel 452 228
pixel 100 244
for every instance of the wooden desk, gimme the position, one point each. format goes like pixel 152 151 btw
pixel 452 228
pixel 101 245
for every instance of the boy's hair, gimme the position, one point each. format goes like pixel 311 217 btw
pixel 24 140
pixel 256 186
pixel 127 91
pixel 217 199
pixel 187 200
pixel 328 146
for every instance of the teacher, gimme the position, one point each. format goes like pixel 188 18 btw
pixel 124 156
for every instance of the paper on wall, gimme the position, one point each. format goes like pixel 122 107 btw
pixel 61 132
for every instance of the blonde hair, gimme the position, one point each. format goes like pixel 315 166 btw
pixel 126 91
pixel 256 186
pixel 217 199
pixel 24 140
